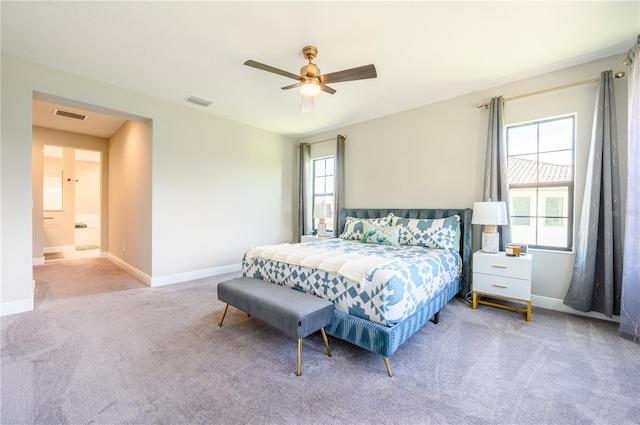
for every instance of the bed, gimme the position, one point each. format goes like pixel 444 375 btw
pixel 385 290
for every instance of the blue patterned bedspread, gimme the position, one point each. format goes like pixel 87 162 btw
pixel 387 295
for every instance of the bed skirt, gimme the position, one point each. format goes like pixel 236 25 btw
pixel 385 340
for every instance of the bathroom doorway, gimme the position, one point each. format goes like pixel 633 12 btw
pixel 72 190
pixel 87 206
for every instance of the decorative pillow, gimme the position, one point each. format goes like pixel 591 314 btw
pixel 392 219
pixel 456 240
pixel 380 235
pixel 353 226
pixel 432 233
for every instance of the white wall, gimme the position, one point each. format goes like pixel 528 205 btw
pixel 16 286
pixel 218 186
pixel 130 209
pixel 433 156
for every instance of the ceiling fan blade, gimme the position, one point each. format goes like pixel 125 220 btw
pixel 292 86
pixel 359 73
pixel 327 89
pixel 268 68
pixel 307 104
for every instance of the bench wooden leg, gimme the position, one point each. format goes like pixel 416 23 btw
pixel 326 341
pixel 388 365
pixel 224 313
pixel 299 369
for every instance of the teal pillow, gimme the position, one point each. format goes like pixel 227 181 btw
pixel 387 235
pixel 440 233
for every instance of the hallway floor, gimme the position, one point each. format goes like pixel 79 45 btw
pixel 72 255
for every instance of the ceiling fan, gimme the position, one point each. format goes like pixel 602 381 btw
pixel 311 82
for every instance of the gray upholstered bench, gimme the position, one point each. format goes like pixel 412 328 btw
pixel 297 313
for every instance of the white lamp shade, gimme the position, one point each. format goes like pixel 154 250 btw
pixel 490 213
pixel 322 211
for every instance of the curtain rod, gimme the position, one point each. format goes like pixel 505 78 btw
pixel 326 140
pixel 618 74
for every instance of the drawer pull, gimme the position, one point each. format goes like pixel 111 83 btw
pixel 499 266
pixel 499 286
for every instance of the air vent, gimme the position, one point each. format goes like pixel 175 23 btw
pixel 68 114
pixel 198 101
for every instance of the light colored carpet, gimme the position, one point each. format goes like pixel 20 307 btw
pixel 102 348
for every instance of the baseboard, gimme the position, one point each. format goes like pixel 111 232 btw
pixel 38 261
pixel 193 275
pixel 142 276
pixel 21 306
pixel 174 278
pixel 557 305
pixel 16 307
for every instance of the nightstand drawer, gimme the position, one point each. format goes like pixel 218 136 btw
pixel 501 265
pixel 503 286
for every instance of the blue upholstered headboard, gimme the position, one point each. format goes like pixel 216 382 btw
pixel 465 229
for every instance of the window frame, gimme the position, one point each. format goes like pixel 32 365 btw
pixel 322 195
pixel 570 185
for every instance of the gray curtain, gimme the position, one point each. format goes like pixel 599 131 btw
pixel 338 182
pixel 496 176
pixel 305 197
pixel 597 271
pixel 630 304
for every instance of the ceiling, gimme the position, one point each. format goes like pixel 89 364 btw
pixel 424 52
pixel 95 124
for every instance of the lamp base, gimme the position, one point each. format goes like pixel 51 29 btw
pixel 322 229
pixel 490 242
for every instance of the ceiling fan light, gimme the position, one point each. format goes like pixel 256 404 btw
pixel 309 87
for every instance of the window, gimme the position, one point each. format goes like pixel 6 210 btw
pixel 553 210
pixel 521 210
pixel 540 158
pixel 323 187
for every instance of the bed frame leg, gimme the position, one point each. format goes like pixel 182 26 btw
pixel 388 365
pixel 224 313
pixel 436 318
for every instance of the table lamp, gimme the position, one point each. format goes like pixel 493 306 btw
pixel 322 211
pixel 490 215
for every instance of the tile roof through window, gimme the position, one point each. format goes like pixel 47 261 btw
pixel 523 171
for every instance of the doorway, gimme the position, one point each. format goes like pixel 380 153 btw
pixel 71 203
pixel 68 126
pixel 124 143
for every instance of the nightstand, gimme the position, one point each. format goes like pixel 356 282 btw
pixel 501 277
pixel 311 238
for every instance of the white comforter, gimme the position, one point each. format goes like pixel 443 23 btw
pixel 352 266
